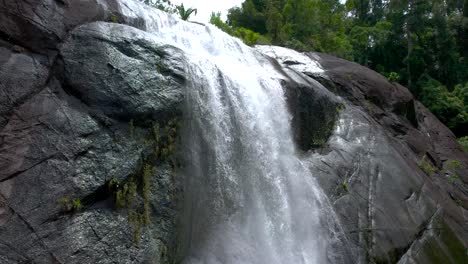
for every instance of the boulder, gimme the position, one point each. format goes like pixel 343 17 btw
pixel 124 72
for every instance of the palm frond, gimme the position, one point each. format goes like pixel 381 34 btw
pixel 185 13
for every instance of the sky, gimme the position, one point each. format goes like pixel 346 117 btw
pixel 205 7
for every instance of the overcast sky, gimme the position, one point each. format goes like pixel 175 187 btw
pixel 205 7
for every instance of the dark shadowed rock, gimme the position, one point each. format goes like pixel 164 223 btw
pixel 314 111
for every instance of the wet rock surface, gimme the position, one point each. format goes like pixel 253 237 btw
pixel 314 111
pixel 89 106
pixel 80 103
pixel 124 72
pixel 395 175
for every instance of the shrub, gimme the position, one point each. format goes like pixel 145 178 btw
pixel 451 107
pixel 77 206
pixel 345 186
pixel 464 143
pixel 125 196
pixel 69 205
pixel 451 166
pixel 426 166
pixel 248 36
pixel 114 18
pixel 393 77
pixel 296 45
pixel 113 184
pixel 65 204
pixel 452 178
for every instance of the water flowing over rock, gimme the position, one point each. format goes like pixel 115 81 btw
pixel 130 136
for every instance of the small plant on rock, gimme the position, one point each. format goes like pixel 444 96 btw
pixel 125 196
pixel 426 166
pixel 148 171
pixel 113 184
pixel 65 204
pixel 114 18
pixel 463 141
pixel 452 166
pixel 452 178
pixel 393 77
pixel 345 186
pixel 70 205
pixel 77 206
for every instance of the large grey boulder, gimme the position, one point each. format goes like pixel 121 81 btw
pixel 124 71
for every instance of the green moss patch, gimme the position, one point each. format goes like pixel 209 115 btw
pixel 134 193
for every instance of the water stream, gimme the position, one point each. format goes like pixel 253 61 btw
pixel 248 196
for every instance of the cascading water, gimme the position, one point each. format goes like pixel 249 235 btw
pixel 249 198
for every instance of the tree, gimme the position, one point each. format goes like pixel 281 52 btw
pixel 185 13
pixel 250 15
pixel 274 21
pixel 450 107
pixel 215 19
pixel 248 36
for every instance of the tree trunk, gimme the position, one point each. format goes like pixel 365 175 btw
pixel 410 42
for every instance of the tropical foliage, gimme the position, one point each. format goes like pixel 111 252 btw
pixel 167 6
pixel 464 143
pixel 185 13
pixel 164 5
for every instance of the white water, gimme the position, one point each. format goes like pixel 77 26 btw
pixel 249 198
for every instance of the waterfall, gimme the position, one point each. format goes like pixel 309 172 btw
pixel 248 196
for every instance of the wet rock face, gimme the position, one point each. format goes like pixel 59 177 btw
pixel 314 113
pixel 124 72
pixel 392 171
pixel 87 111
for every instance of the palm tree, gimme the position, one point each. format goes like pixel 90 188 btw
pixel 185 13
